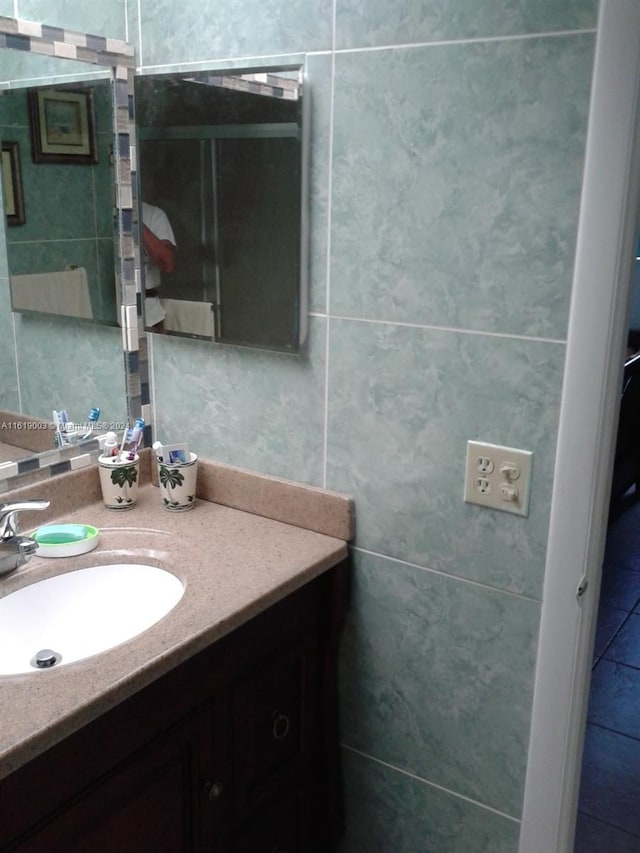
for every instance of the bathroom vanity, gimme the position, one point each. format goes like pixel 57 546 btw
pixel 214 730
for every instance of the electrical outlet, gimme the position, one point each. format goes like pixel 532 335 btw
pixel 484 464
pixel 482 485
pixel 498 477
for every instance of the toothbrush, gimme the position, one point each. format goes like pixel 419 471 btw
pixel 125 437
pixel 70 436
pixel 92 417
pixel 59 422
pixel 158 447
pixel 136 438
pixel 64 426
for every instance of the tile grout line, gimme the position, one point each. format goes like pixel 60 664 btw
pixel 430 784
pixel 327 331
pixel 357 549
pixel 468 41
pixel 435 328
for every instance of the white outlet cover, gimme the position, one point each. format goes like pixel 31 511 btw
pixel 494 496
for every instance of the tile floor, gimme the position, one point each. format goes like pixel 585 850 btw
pixel 609 806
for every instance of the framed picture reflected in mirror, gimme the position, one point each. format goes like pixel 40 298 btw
pixel 62 126
pixel 12 184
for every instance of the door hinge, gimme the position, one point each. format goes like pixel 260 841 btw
pixel 582 587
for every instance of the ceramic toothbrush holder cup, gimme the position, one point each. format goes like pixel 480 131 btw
pixel 119 481
pixel 177 481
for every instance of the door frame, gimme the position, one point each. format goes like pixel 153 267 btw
pixel 605 250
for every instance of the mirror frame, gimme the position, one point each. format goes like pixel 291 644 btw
pixel 118 56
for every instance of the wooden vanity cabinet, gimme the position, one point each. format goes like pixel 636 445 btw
pixel 233 751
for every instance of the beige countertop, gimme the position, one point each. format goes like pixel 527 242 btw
pixel 233 563
pixel 10 453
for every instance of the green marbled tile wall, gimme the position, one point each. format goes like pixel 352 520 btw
pixel 447 159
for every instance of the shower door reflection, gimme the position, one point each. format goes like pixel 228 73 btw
pixel 234 210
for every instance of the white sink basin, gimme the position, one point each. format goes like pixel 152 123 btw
pixel 81 613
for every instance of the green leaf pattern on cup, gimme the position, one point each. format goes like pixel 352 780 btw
pixel 124 476
pixel 170 478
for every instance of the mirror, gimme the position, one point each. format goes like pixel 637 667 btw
pixel 66 123
pixel 223 179
pixel 59 142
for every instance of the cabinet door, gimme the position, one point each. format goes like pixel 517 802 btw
pixel 285 825
pixel 150 803
pixel 274 723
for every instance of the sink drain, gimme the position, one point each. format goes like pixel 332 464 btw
pixel 45 658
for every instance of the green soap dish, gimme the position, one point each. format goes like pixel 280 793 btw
pixel 65 540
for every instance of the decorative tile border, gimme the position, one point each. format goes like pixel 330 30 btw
pixel 33 469
pixel 258 83
pixel 36 38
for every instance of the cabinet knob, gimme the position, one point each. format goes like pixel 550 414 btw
pixel 213 790
pixel 280 728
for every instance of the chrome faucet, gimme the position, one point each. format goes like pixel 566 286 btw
pixel 15 550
